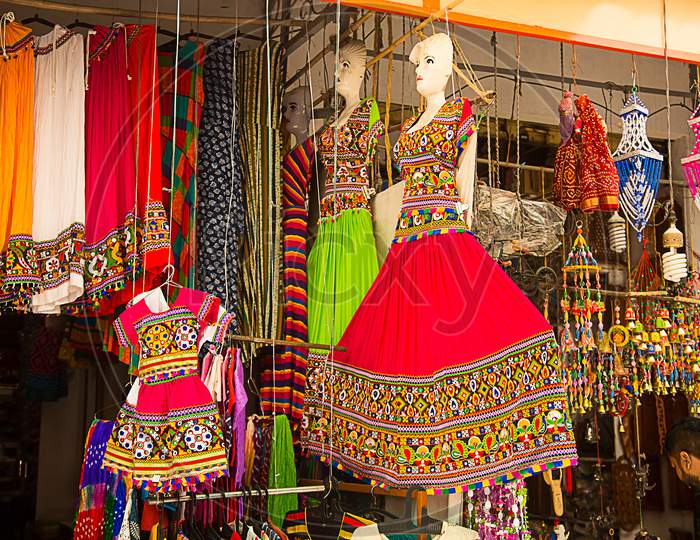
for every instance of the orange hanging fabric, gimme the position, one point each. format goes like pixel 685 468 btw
pixel 19 276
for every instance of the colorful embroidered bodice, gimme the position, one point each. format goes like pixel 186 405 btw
pixel 428 160
pixel 357 141
pixel 167 341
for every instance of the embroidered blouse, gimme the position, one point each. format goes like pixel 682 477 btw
pixel 167 341
pixel 357 142
pixel 428 160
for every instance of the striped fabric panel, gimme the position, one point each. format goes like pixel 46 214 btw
pixel 284 389
pixel 190 98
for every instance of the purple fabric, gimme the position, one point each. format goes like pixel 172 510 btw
pixel 239 423
pixel 567 119
pixel 94 453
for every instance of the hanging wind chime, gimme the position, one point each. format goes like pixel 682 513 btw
pixel 691 163
pixel 638 165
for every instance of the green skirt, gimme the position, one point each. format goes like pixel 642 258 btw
pixel 341 268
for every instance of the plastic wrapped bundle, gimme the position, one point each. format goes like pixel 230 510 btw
pixel 498 224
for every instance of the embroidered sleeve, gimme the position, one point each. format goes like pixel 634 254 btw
pixel 124 328
pixel 465 128
pixel 375 130
pixel 208 310
pixel 395 151
pixel 223 327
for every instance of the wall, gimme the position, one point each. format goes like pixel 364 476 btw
pixel 537 103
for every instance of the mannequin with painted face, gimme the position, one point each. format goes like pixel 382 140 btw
pixel 433 60
pixel 349 73
pixel 343 261
pixel 444 349
pixel 297 105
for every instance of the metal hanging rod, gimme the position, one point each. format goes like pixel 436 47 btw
pixel 526 75
pixel 235 494
pixel 284 343
pixel 135 14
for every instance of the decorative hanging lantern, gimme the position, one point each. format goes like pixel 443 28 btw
pixel 638 165
pixel 616 233
pixel 673 263
pixel 584 304
pixel 691 163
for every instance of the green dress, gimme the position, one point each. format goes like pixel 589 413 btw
pixel 343 261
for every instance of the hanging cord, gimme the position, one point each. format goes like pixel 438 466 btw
pixel 195 144
pixel 6 19
pixel 234 127
pixel 639 458
pixel 490 162
pixel 517 145
pixel 599 462
pixel 134 248
pixel 333 240
pixel 273 326
pixel 172 157
pixel 574 67
pixel 447 31
pixel 387 113
pixel 152 81
pixel 497 171
pixel 634 76
pixel 668 109
pixel 403 73
pixel 561 66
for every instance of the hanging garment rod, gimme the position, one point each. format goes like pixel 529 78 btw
pixel 133 14
pixel 284 343
pixel 235 494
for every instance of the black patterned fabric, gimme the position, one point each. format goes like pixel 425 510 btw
pixel 220 217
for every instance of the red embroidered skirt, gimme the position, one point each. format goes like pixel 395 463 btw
pixel 450 377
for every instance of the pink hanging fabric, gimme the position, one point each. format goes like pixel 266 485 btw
pixel 110 182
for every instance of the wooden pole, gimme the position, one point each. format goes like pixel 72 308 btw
pixel 283 343
pixel 414 30
pixel 389 49
pixel 487 97
pixel 353 27
pixel 135 14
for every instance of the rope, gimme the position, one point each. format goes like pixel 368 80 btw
pixel 172 157
pixel 403 74
pixel 273 327
pixel 234 127
pixel 561 65
pixel 668 108
pixel 196 164
pixel 497 171
pixel 332 328
pixel 639 456
pixel 387 113
pixel 574 65
pixel 517 143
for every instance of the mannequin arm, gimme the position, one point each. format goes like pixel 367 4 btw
pixel 464 181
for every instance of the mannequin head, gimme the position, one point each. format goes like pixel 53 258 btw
pixel 297 104
pixel 352 62
pixel 433 60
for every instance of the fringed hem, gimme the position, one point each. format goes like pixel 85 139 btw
pixel 498 480
pixel 173 484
